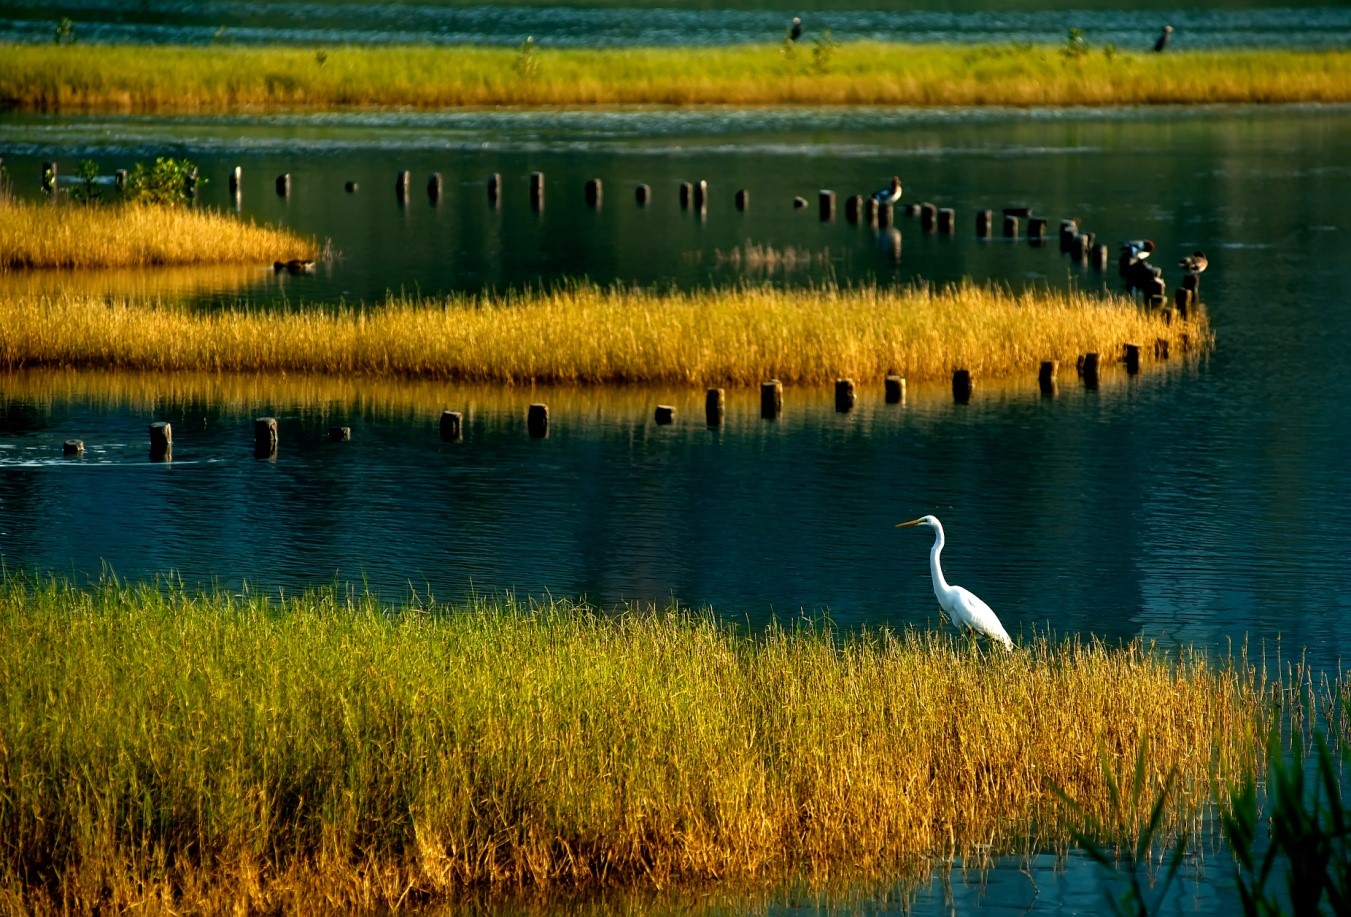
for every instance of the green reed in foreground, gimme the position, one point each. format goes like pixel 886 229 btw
pixel 587 334
pixel 102 77
pixel 62 234
pixel 159 746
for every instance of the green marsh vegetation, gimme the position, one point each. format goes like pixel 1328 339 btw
pixel 179 749
pixel 230 78
pixel 585 334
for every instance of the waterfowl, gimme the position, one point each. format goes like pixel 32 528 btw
pixel 890 194
pixel 294 266
pixel 1163 38
pixel 1195 263
pixel 795 31
pixel 964 608
pixel 1136 250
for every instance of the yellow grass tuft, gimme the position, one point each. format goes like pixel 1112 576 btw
pixel 191 746
pixel 63 235
pixel 101 77
pixel 588 335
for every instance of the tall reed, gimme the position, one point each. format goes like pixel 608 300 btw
pixel 60 234
pixel 586 334
pixel 169 747
pixel 143 78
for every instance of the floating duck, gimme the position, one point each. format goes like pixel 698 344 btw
pixel 294 266
pixel 1163 38
pixel 795 31
pixel 891 194
pixel 1195 263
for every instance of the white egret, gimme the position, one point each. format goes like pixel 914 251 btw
pixel 963 607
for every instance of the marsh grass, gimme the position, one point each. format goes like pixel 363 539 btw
pixel 583 334
pixel 100 77
pixel 61 234
pixel 162 746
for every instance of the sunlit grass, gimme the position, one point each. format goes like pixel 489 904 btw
pixel 856 73
pixel 584 334
pixel 160 745
pixel 62 234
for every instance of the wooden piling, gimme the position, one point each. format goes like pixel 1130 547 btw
pixel 434 187
pixel 713 407
pixel 928 216
pixel 339 434
pixel 494 187
pixel 701 195
pixel 1010 226
pixel 536 190
pixel 594 192
pixel 1068 230
pixel 451 426
pixel 402 181
pixel 1079 247
pixel 537 421
pixel 72 447
pixel 947 220
pixel 1182 300
pixel 1046 376
pixel 686 194
pixel 853 208
pixel 1100 256
pixel 845 396
pixel 984 223
pixel 643 195
pixel 1036 230
pixel 870 208
pixel 962 386
pixel 236 179
pixel 665 414
pixel 886 215
pixel 1161 348
pixel 894 386
pixel 1088 368
pixel 350 187
pixel 265 436
pixel 771 399
pixel 799 202
pixel 743 199
pixel 825 201
pixel 284 184
pixel 1132 357
pixel 161 441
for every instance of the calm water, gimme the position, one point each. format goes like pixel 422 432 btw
pixel 1126 25
pixel 1201 504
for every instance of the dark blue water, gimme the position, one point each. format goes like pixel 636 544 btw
pixel 1125 26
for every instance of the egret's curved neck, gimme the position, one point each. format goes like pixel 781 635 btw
pixel 940 584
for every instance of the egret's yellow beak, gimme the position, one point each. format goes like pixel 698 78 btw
pixel 901 525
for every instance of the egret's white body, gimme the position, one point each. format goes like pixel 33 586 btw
pixel 963 607
pixel 890 194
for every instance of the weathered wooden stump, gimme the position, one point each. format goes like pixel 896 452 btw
pixel 402 181
pixel 928 216
pixel 947 220
pixel 799 202
pixel 265 436
pixel 236 178
pixel 771 399
pixel 1100 256
pixel 886 215
pixel 284 184
pixel 72 447
pixel 537 421
pixel 1088 368
pixel 984 224
pixel 686 194
pixel 340 434
pixel 1046 376
pixel 871 206
pixel 494 187
pixel 350 187
pixel 853 208
pixel 665 414
pixel 1131 353
pixel 1068 230
pixel 894 387
pixel 643 195
pixel 701 195
pixel 845 396
pixel 536 190
pixel 451 426
pixel 962 386
pixel 435 185
pixel 714 407
pixel 742 198
pixel 825 201
pixel 1182 300
pixel 161 440
pixel 594 192
pixel 1010 226
pixel 1161 348
pixel 1036 230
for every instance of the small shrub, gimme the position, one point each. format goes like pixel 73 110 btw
pixel 527 63
pixel 169 181
pixel 65 31
pixel 1075 46
pixel 823 52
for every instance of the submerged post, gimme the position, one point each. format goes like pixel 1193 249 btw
pixel 853 208
pixel 845 396
pixel 1010 226
pixel 928 216
pixel 236 179
pixel 686 194
pixel 742 199
pixel 713 407
pixel 452 426
pixel 594 190
pixel 771 399
pixel 895 389
pixel 1036 230
pixel 537 421
pixel 434 186
pixel 265 436
pixel 947 220
pixel 962 386
pixel 401 183
pixel 72 447
pixel 826 205
pixel 537 190
pixel 1088 368
pixel 701 195
pixel 1132 358
pixel 665 414
pixel 161 441
pixel 642 194
pixel 1046 376
pixel 284 184
pixel 494 187
pixel 340 434
pixel 984 223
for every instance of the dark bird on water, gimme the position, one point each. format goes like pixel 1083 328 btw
pixel 294 266
pixel 1195 263
pixel 1136 250
pixel 795 31
pixel 890 194
pixel 1163 38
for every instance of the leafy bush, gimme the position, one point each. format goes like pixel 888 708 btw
pixel 169 181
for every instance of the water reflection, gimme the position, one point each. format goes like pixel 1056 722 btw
pixel 212 281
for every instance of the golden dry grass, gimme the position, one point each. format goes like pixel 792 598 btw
pixel 61 234
pixel 141 78
pixel 207 751
pixel 587 335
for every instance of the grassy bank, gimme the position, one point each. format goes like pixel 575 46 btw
pixel 140 78
pixel 590 335
pixel 67 235
pixel 163 747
